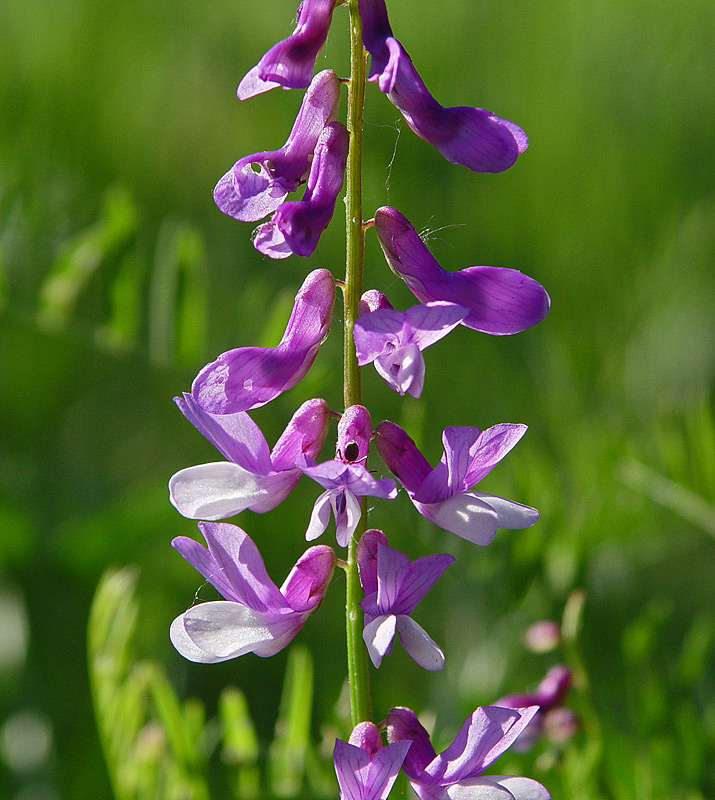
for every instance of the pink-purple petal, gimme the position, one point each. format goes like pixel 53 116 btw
pixel 304 434
pixel 401 456
pixel 402 725
pixel 306 583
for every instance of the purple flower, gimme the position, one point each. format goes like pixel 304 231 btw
pixel 256 616
pixel 500 300
pixel 442 494
pixel 473 137
pixel 549 696
pixel 393 586
pixel 257 184
pixel 296 225
pixel 249 377
pixel 365 769
pixel 456 773
pixel 290 63
pixel 253 477
pixel 393 340
pixel 345 478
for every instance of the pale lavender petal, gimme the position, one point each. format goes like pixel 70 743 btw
pixel 366 557
pixel 376 333
pixel 305 586
pixel 221 489
pixel 185 646
pixel 249 377
pixel 290 63
pixel 403 369
pixel 489 449
pixel 296 225
pixel 378 636
pixel 418 644
pixel 402 725
pixel 520 788
pixel 346 508
pixel 447 478
pixel 392 568
pixel 510 515
pixel 356 478
pixel 401 456
pixel 464 514
pixel 202 561
pixel 224 630
pixel 320 516
pixel 430 322
pixel 485 735
pixel 419 578
pixel 304 434
pixel 500 300
pixel 478 789
pixel 236 436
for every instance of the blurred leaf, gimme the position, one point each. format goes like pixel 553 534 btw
pixel 240 744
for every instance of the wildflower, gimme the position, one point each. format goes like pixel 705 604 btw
pixel 456 773
pixel 476 138
pixel 393 340
pixel 290 63
pixel 549 696
pixel 296 225
pixel 345 478
pixel 393 586
pixel 252 477
pixel 442 494
pixel 500 300
pixel 365 769
pixel 249 377
pixel 256 615
pixel 257 184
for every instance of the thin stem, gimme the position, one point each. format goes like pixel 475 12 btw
pixel 358 678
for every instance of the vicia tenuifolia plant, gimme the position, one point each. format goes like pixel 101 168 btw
pixel 383 585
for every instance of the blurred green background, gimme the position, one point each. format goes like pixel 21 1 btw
pixel 119 279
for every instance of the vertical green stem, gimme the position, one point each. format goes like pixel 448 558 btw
pixel 358 678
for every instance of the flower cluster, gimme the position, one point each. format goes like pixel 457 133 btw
pixel 256 615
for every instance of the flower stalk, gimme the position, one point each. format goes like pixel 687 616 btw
pixel 358 676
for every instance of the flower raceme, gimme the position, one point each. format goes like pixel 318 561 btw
pixel 393 586
pixel 442 494
pixel 456 773
pixel 249 377
pixel 394 340
pixel 500 300
pixel 256 615
pixel 473 137
pixel 290 63
pixel 252 477
pixel 345 478
pixel 365 769
pixel 257 184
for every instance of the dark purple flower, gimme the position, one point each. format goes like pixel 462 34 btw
pixel 500 300
pixel 253 477
pixel 393 586
pixel 257 184
pixel 393 340
pixel 442 494
pixel 365 769
pixel 296 225
pixel 256 615
pixel 249 377
pixel 290 63
pixel 473 137
pixel 456 773
pixel 345 478
pixel 549 696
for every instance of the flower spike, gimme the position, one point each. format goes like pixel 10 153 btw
pixel 296 225
pixel 345 478
pixel 393 587
pixel 394 340
pixel 365 769
pixel 256 616
pixel 252 477
pixel 442 495
pixel 500 300
pixel 456 773
pixel 257 184
pixel 249 377
pixel 476 138
pixel 290 63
